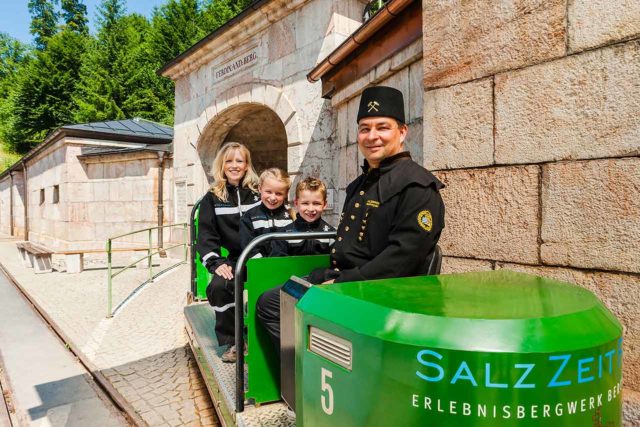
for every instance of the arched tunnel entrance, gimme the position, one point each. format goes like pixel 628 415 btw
pixel 254 125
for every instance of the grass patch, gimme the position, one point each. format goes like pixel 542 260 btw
pixel 7 158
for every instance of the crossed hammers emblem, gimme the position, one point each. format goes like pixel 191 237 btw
pixel 373 105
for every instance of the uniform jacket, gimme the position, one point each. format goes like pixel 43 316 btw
pixel 261 220
pixel 390 223
pixel 303 247
pixel 219 224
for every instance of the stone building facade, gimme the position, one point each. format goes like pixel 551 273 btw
pixel 527 111
pixel 247 82
pixel 86 183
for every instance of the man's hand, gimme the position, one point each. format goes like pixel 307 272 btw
pixel 224 270
pixel 329 282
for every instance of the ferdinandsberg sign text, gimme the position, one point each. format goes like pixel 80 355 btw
pixel 235 65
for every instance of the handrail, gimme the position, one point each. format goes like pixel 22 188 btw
pixel 239 290
pixel 146 229
pixel 150 254
pixel 192 242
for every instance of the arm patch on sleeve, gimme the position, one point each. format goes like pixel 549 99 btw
pixel 425 220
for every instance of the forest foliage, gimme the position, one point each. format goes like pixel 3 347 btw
pixel 69 75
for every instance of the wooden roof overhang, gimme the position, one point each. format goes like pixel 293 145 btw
pixel 393 28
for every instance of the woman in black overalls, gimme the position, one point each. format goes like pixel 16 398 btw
pixel 234 192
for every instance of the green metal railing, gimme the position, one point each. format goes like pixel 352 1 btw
pixel 151 251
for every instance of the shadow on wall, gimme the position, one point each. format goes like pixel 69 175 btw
pixel 254 125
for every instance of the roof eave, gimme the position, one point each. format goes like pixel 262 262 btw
pixel 165 71
pixel 360 36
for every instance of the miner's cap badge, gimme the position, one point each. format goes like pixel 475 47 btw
pixel 381 101
pixel 425 220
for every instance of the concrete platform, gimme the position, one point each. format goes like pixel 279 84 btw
pixel 48 386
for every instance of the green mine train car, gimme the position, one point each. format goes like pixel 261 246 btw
pixel 493 348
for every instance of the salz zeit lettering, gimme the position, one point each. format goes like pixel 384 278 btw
pixel 567 369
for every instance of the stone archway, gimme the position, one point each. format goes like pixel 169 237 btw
pixel 264 134
pixel 257 115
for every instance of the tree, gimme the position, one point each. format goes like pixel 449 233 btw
pixel 43 95
pixel 117 78
pixel 175 26
pixel 44 21
pixel 13 56
pixel 218 12
pixel 74 13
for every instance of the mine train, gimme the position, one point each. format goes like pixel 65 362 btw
pixel 494 348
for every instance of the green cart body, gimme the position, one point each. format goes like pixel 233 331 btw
pixel 478 349
pixel 475 349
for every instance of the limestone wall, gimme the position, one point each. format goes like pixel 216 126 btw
pixel 47 219
pixel 282 43
pixel 18 205
pixel 531 119
pixel 5 221
pixel 99 197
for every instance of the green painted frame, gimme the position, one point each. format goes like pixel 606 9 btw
pixel 263 364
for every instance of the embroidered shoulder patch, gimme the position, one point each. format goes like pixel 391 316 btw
pixel 425 220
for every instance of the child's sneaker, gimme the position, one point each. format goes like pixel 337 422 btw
pixel 230 356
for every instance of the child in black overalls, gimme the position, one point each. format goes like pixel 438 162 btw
pixel 310 202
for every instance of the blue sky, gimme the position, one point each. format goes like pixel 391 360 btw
pixel 15 19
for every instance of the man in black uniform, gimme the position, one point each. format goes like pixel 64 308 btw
pixel 393 214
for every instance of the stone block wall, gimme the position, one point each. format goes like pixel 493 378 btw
pixel 99 197
pixel 45 172
pixel 531 119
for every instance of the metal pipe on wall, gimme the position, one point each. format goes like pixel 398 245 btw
pixel 25 180
pixel 11 224
pixel 161 158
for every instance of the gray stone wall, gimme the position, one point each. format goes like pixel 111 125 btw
pixel 98 198
pixel 18 205
pixel 531 119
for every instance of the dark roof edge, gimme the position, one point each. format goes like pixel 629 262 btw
pixel 253 7
pixel 359 37
pixel 164 149
pixel 62 132
pixel 50 139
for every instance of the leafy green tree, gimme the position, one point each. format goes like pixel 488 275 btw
pixel 176 26
pixel 44 21
pixel 218 12
pixel 74 13
pixel 117 78
pixel 13 56
pixel 43 95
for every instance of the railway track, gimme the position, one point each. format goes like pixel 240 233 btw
pixel 89 394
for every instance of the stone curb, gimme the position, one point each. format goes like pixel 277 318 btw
pixel 129 411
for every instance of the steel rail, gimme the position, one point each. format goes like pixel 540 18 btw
pixel 239 291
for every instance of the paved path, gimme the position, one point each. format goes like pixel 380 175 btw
pixel 48 386
pixel 143 351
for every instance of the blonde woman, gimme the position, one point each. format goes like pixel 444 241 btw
pixel 233 193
